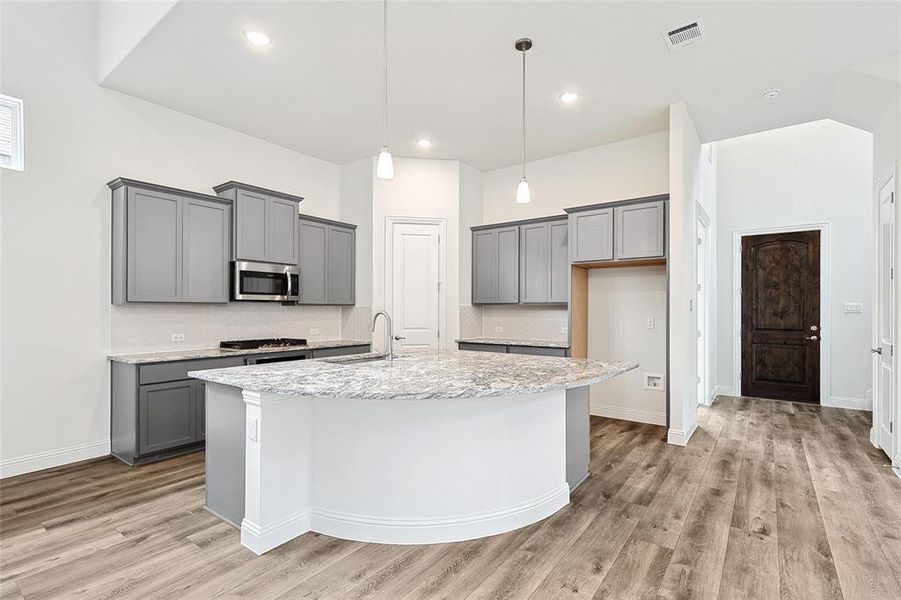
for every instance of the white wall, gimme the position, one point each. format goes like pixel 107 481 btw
pixel 708 202
pixel 627 169
pixel 470 215
pixel 620 301
pixel 685 183
pixel 121 25
pixel 56 216
pixel 356 207
pixel 420 188
pixel 819 172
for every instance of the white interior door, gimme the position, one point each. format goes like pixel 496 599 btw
pixel 703 395
pixel 415 284
pixel 886 316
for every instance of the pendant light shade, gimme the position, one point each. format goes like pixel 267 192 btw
pixel 523 194
pixel 384 168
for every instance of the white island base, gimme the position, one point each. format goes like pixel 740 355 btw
pixel 396 472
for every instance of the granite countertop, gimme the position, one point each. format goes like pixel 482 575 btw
pixel 173 355
pixel 420 376
pixel 514 342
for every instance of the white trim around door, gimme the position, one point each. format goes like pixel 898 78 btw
pixel 825 321
pixel 441 223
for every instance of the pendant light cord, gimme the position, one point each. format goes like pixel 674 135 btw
pixel 523 114
pixel 385 47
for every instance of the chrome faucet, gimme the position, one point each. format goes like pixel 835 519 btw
pixel 389 333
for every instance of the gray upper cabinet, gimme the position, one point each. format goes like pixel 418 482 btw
pixel 205 250
pixel 168 245
pixel 558 238
pixel 544 262
pixel 591 235
pixel 639 230
pixel 495 265
pixel 534 264
pixel 265 223
pixel 619 231
pixel 327 258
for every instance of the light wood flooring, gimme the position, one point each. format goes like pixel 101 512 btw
pixel 769 500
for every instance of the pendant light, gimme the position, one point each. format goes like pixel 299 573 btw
pixel 523 195
pixel 384 168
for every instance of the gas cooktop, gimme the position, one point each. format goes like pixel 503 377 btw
pixel 264 343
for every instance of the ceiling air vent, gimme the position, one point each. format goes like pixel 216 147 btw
pixel 685 35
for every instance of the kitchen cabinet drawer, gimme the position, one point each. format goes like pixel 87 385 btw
pixel 328 352
pixel 591 235
pixel 482 347
pixel 537 350
pixel 174 371
pixel 639 230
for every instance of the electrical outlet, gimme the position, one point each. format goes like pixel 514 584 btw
pixel 314 331
pixel 253 429
pixel 650 323
pixel 853 307
pixel 564 330
pixel 498 330
pixel 178 337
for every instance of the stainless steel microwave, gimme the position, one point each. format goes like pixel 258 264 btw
pixel 265 281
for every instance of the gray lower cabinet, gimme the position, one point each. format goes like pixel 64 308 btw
pixel 264 223
pixel 167 415
pixel 157 410
pixel 544 262
pixel 639 230
pixel 512 349
pixel 592 235
pixel 343 351
pixel 168 245
pixel 327 259
pixel 495 272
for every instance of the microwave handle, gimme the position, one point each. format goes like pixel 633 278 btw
pixel 288 275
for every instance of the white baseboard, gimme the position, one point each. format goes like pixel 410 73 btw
pixel 53 458
pixel 846 402
pixel 680 437
pixel 365 528
pixel 724 390
pixel 260 540
pixel 625 413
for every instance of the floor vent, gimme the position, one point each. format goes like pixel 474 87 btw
pixel 685 35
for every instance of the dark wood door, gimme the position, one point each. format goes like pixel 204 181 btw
pixel 780 316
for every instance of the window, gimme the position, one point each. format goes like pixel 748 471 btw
pixel 11 139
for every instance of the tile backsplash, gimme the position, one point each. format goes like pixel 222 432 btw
pixel 355 322
pixel 148 328
pixel 470 321
pixel 517 321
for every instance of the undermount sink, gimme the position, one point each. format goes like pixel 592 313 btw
pixel 351 360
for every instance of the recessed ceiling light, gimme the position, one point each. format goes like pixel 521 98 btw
pixel 257 38
pixel 771 94
pixel 569 97
pixel 423 143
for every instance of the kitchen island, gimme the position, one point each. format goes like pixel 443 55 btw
pixel 432 447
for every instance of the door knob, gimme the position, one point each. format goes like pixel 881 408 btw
pixel 876 350
pixel 399 337
pixel 812 338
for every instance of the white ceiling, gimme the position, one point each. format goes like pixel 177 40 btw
pixel 455 76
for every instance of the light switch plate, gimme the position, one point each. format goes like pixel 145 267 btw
pixel 253 427
pixel 650 323
pixel 498 330
pixel 853 307
pixel 564 330
pixel 178 337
